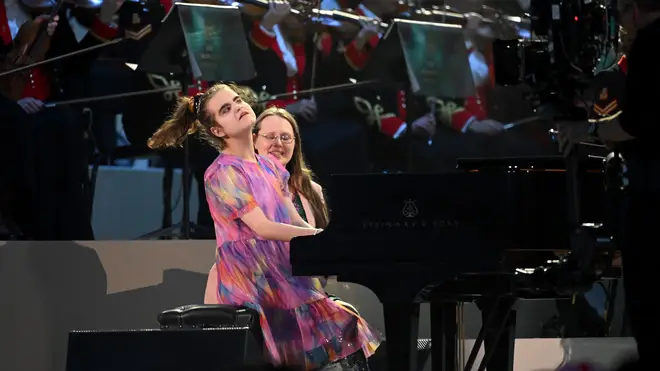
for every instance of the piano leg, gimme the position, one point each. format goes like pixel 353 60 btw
pixel 500 336
pixel 401 329
pixel 444 336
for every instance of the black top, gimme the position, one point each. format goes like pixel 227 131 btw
pixel 640 117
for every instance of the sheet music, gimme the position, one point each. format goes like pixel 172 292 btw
pixel 214 51
pixel 436 59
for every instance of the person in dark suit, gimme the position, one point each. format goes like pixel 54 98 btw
pixel 640 120
pixel 634 135
pixel 42 185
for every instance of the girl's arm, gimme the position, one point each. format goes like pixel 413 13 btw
pixel 230 197
pixel 296 219
pixel 269 230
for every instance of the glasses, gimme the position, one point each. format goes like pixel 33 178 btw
pixel 284 138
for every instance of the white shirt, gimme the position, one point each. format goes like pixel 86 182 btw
pixel 369 14
pixel 478 65
pixel 288 55
pixel 16 16
pixel 79 31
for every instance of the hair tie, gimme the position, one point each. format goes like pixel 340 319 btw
pixel 197 102
pixel 194 105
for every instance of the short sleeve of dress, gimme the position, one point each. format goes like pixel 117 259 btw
pixel 228 193
pixel 282 173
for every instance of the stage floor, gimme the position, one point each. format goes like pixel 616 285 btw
pixel 50 288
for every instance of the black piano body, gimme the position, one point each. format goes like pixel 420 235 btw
pixel 408 237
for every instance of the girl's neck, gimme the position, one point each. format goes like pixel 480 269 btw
pixel 243 148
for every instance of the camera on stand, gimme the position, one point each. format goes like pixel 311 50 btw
pixel 570 41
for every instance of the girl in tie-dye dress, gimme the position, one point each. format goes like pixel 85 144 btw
pixel 254 220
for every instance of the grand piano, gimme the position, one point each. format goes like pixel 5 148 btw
pixel 465 236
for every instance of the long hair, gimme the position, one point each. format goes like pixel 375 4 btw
pixel 190 116
pixel 300 179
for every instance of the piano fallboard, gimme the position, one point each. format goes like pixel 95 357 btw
pixel 418 218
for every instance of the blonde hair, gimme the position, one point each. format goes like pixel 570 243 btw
pixel 300 179
pixel 190 117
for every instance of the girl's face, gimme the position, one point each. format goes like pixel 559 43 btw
pixel 232 116
pixel 276 138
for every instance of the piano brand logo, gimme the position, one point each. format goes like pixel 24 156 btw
pixel 411 224
pixel 410 213
pixel 409 209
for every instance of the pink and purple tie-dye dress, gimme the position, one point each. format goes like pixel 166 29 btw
pixel 302 327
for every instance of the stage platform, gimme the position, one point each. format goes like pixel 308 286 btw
pixel 50 288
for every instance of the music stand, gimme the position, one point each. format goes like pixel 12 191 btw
pixel 416 57
pixel 203 42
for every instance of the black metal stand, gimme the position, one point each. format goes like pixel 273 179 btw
pixel 409 144
pixel 183 229
pixel 498 321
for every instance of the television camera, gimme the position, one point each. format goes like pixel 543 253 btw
pixel 570 42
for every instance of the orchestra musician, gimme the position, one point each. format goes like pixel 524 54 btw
pixel 255 219
pixel 609 130
pixel 636 132
pixel 45 146
pixel 603 103
pixel 285 56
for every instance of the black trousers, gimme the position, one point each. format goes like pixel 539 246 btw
pixel 42 157
pixel 639 241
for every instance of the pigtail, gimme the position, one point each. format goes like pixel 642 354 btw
pixel 182 122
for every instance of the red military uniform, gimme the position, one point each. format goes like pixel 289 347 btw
pixel 281 65
pixel 40 87
pixel 474 108
pixel 356 57
pixel 623 64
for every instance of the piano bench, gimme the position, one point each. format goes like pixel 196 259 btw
pixel 208 316
pixel 226 349
pixel 344 304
